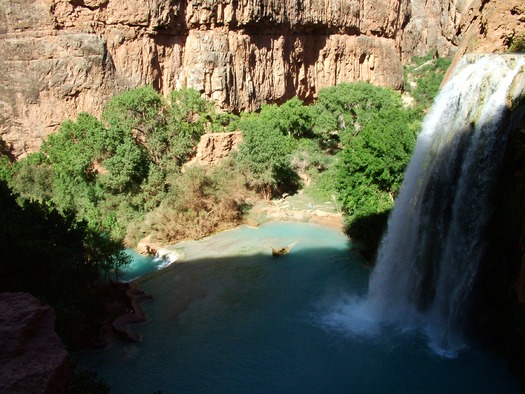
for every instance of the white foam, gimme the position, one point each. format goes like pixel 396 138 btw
pixel 166 257
pixel 351 315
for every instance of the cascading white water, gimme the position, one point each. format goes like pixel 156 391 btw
pixel 429 257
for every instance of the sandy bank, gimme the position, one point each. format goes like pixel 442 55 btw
pixel 296 210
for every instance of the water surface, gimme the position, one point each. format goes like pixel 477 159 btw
pixel 229 318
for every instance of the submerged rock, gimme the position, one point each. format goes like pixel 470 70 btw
pixel 32 357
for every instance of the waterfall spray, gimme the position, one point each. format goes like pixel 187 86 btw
pixel 429 257
pixel 428 260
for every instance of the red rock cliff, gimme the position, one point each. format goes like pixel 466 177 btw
pixel 61 57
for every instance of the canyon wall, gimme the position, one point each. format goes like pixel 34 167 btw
pixel 61 57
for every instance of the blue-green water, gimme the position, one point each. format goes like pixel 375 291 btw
pixel 140 266
pixel 229 318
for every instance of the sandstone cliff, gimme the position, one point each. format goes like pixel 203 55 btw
pixel 32 358
pixel 61 57
pixel 491 27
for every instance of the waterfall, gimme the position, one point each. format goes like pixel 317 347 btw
pixel 429 257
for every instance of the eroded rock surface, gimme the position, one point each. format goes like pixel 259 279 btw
pixel 61 57
pixel 32 358
pixel 213 147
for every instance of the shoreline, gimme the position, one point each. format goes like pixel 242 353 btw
pixel 261 212
pixel 280 210
pixel 136 315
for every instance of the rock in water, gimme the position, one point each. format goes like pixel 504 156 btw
pixel 32 357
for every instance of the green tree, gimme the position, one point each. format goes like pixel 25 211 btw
pixel 189 115
pixel 423 78
pixel 371 170
pixel 292 118
pixel 33 178
pixel 343 110
pixel 6 171
pixel 52 256
pixel 264 155
pixel 140 113
pixel 125 168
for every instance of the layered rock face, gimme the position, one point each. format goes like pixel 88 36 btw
pixel 491 27
pixel 437 25
pixel 214 147
pixel 46 74
pixel 32 358
pixel 62 57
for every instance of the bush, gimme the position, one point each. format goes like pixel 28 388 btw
pixel 342 110
pixel 111 174
pixel 264 156
pixel 423 78
pixel 198 204
pixel 377 142
pixel 517 44
pixel 53 257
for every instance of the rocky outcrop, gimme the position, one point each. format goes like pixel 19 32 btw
pixel 46 74
pixel 61 57
pixel 491 27
pixel 32 358
pixel 436 25
pixel 213 147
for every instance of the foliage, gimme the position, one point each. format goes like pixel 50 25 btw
pixel 517 44
pixel 198 204
pixel 292 118
pixel 33 178
pixel 309 157
pixel 166 129
pixel 111 174
pixel 324 184
pixel 345 108
pixel 5 162
pixel 122 175
pixel 6 172
pixel 423 78
pixel 366 229
pixel 264 155
pixel 370 168
pixel 52 256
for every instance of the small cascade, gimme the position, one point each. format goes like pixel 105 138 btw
pixel 428 259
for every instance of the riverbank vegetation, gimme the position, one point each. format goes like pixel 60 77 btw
pixel 101 183
pixel 123 176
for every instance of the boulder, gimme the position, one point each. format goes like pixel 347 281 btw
pixel 32 357
pixel 213 147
